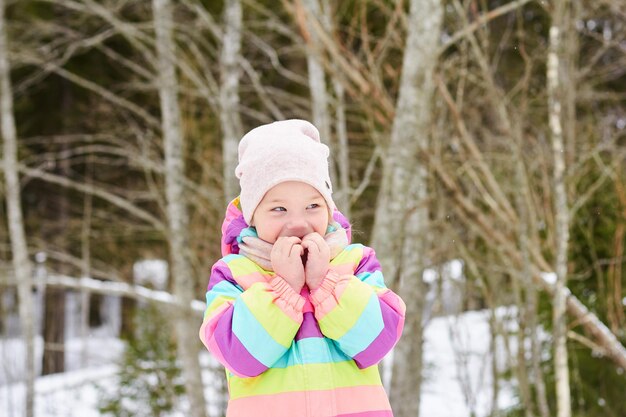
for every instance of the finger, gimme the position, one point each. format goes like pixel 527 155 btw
pixel 285 244
pixel 314 236
pixel 296 250
pixel 312 246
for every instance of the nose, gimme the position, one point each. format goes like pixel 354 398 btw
pixel 297 227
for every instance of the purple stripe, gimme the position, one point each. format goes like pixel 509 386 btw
pixel 379 413
pixel 232 231
pixel 343 221
pixel 369 262
pixel 383 343
pixel 309 327
pixel 234 352
pixel 220 272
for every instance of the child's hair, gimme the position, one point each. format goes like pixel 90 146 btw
pixel 288 150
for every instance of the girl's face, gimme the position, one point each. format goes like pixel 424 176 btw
pixel 291 208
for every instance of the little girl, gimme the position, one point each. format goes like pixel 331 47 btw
pixel 298 316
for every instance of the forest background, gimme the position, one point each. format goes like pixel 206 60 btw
pixel 491 132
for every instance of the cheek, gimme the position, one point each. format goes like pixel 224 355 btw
pixel 269 231
pixel 321 225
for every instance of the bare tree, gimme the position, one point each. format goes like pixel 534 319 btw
pixel 178 218
pixel 21 264
pixel 555 103
pixel 401 223
pixel 315 20
pixel 230 71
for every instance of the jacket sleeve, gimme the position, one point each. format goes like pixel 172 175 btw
pixel 358 312
pixel 248 331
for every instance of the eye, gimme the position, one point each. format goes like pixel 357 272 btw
pixel 313 206
pixel 279 209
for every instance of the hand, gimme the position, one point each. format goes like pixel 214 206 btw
pixel 286 261
pixel 318 259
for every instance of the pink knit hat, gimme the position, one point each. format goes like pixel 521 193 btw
pixel 288 150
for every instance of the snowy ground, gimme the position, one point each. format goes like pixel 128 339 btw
pixel 458 373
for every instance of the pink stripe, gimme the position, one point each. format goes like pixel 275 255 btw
pixel 246 281
pixel 368 262
pixel 326 297
pixel 352 401
pixel 393 301
pixel 343 269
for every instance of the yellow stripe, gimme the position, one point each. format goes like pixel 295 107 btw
pixel 241 265
pixel 316 376
pixel 351 305
pixel 275 321
pixel 351 255
pixel 217 302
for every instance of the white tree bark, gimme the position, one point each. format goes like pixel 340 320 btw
pixel 561 210
pixel 178 218
pixel 343 191
pixel 400 228
pixel 230 72
pixel 19 248
pixel 317 77
pixel 320 100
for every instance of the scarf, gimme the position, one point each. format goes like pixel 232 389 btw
pixel 258 250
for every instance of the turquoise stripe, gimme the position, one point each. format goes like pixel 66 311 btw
pixel 254 337
pixel 226 259
pixel 311 350
pixel 365 330
pixel 375 279
pixel 223 288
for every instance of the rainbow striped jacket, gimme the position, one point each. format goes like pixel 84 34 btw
pixel 308 354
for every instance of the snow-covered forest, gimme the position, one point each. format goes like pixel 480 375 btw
pixel 477 145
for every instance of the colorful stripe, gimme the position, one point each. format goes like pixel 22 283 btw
pixel 309 327
pixel 310 377
pixel 311 350
pixel 311 355
pixel 363 401
pixel 232 352
pixel 349 307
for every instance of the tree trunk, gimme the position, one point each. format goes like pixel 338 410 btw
pixel 341 150
pixel 53 360
pixel 529 304
pixel 232 129
pixel 401 222
pixel 19 248
pixel 85 240
pixel 320 101
pixel 178 221
pixel 561 210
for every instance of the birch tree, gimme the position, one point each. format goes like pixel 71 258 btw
pixel 177 216
pixel 230 120
pixel 315 14
pixel 401 223
pixel 561 210
pixel 21 264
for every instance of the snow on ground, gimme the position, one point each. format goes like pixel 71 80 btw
pixel 458 367
pixel 457 373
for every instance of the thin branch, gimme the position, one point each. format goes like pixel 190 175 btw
pixel 105 195
pixel 481 21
